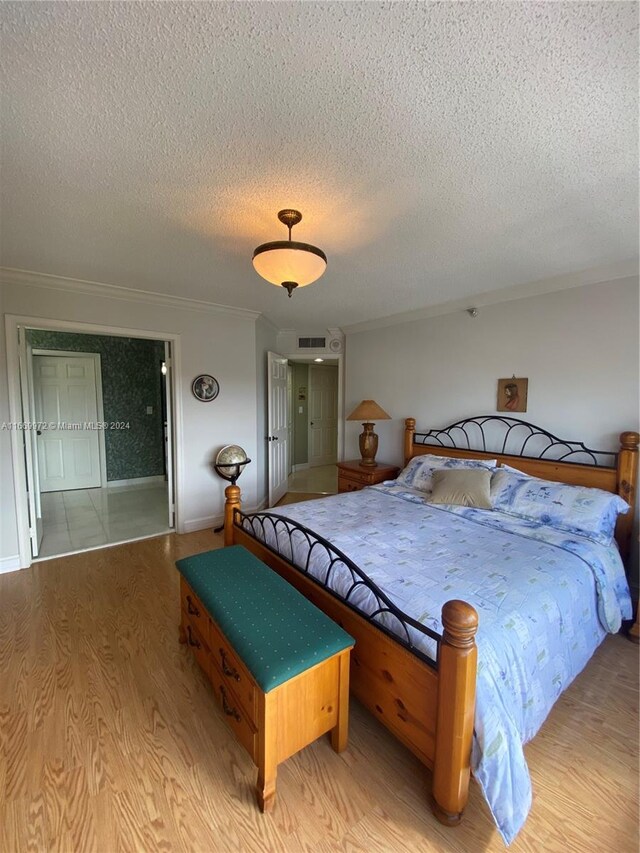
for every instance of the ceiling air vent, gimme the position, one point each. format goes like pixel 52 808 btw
pixel 312 343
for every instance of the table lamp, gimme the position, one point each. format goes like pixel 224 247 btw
pixel 367 412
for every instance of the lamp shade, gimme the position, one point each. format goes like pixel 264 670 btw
pixel 287 260
pixel 368 411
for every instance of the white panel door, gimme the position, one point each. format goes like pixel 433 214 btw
pixel 323 415
pixel 168 431
pixel 278 437
pixel 66 406
pixel 36 528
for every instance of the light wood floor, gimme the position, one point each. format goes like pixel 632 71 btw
pixel 298 497
pixel 110 739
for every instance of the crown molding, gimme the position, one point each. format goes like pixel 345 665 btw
pixel 27 278
pixel 624 270
pixel 270 323
pixel 335 332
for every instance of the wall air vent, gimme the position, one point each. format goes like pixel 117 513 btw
pixel 312 343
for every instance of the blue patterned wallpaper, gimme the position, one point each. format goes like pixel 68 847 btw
pixel 131 381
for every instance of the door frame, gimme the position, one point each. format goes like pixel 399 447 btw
pixel 274 495
pixel 97 367
pixel 13 324
pixel 333 358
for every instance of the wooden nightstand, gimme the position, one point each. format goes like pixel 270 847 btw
pixel 352 476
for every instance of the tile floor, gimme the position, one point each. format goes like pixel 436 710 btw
pixel 90 518
pixel 321 480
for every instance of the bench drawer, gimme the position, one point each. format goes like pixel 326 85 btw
pixel 231 671
pixel 199 647
pixel 194 608
pixel 243 728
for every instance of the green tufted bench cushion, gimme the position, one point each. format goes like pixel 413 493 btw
pixel 272 627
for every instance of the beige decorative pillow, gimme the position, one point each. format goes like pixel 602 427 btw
pixel 462 487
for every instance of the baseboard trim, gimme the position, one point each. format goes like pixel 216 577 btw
pixel 10 564
pixel 301 467
pixel 195 524
pixel 136 481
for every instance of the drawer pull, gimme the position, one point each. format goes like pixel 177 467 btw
pixel 229 711
pixel 191 608
pixel 193 641
pixel 230 671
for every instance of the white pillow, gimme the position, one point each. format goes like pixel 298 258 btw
pixel 580 510
pixel 417 474
pixel 505 467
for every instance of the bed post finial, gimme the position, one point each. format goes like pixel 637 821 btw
pixel 460 623
pixel 629 440
pixel 457 662
pixel 409 430
pixel 232 502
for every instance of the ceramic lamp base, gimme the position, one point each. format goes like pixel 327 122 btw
pixel 368 446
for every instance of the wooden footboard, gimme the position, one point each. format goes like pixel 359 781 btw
pixel 429 707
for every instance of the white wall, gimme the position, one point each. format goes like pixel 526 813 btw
pixel 578 347
pixel 266 338
pixel 222 344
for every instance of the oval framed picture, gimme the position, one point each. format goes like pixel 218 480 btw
pixel 205 388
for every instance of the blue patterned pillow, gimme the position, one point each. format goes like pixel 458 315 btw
pixel 417 474
pixel 575 509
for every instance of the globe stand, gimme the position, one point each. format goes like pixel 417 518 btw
pixel 231 475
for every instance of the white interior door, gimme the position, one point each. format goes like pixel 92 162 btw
pixel 67 407
pixel 36 529
pixel 290 440
pixel 278 430
pixel 168 432
pixel 323 415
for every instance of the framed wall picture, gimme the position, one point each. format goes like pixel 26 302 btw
pixel 205 388
pixel 512 394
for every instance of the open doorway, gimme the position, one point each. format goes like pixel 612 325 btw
pixel 99 462
pixel 314 394
pixel 304 424
pixel 305 434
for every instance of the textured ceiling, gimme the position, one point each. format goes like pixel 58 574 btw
pixel 436 150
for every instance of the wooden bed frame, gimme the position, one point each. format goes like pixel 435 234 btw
pixel 429 706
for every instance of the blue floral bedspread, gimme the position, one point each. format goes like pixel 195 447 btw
pixel 545 602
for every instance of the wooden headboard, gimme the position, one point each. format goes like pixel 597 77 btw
pixel 540 453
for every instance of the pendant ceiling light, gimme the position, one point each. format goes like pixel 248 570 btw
pixel 287 263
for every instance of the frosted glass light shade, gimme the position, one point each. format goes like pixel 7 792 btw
pixel 285 260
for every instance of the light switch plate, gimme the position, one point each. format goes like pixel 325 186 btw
pixel 149 410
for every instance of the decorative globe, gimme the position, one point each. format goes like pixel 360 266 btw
pixel 232 454
pixel 230 462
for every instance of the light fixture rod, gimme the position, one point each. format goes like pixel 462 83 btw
pixel 289 217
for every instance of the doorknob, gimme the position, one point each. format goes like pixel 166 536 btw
pixel 275 438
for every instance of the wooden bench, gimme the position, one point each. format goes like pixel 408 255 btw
pixel 279 667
